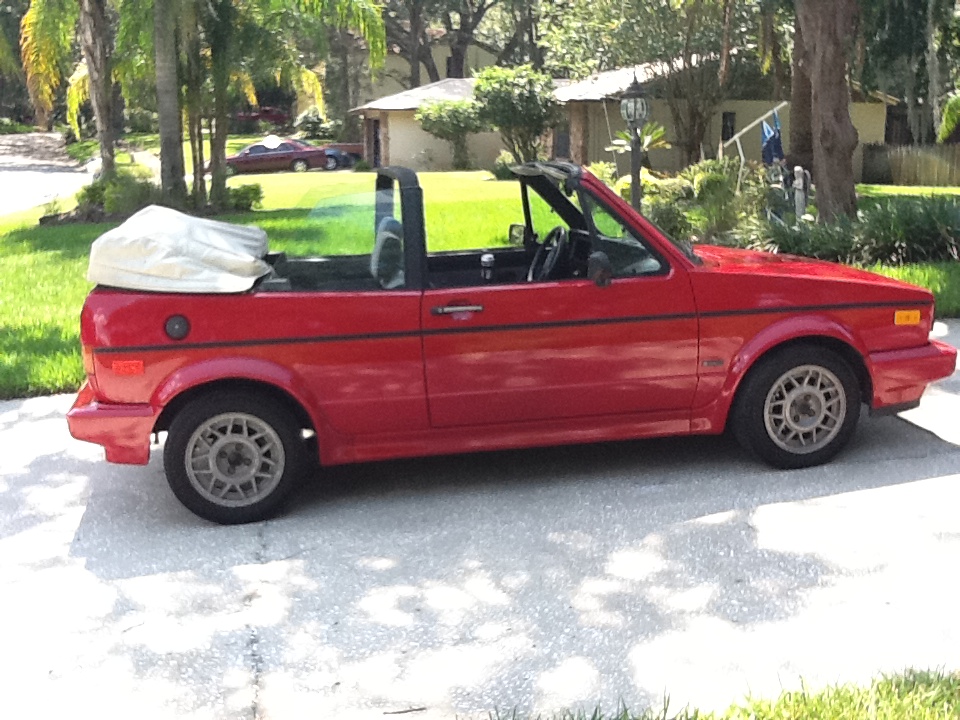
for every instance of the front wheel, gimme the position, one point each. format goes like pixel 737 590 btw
pixel 331 163
pixel 233 458
pixel 798 407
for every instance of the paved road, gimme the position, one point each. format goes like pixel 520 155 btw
pixel 34 170
pixel 534 579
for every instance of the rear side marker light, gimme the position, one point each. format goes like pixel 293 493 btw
pixel 88 365
pixel 906 317
pixel 127 367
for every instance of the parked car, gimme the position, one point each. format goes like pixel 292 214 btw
pixel 591 326
pixel 273 115
pixel 275 155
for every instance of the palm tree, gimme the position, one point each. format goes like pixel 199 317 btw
pixel 238 38
pixel 46 42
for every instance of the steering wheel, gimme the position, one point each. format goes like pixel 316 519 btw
pixel 546 261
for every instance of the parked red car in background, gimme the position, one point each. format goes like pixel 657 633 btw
pixel 275 155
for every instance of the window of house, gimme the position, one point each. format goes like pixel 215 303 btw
pixel 729 125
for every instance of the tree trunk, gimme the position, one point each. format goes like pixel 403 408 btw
pixel 801 121
pixel 457 66
pixel 96 42
pixel 415 8
pixel 219 41
pixel 168 104
pixel 933 69
pixel 426 57
pixel 828 27
pixel 194 102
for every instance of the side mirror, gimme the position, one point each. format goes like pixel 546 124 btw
pixel 518 233
pixel 599 269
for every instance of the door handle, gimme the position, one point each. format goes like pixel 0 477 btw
pixel 451 309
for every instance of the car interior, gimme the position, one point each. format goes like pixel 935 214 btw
pixel 563 234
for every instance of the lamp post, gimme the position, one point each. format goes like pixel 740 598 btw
pixel 634 110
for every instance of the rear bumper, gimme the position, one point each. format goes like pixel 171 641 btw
pixel 901 376
pixel 123 430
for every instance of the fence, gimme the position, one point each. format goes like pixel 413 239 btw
pixel 937 165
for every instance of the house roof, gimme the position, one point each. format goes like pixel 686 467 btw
pixel 609 84
pixel 449 89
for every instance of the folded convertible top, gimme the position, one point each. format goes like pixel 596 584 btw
pixel 162 250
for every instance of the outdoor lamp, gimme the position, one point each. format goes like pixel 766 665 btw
pixel 635 110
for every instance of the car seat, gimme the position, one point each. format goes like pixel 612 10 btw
pixel 386 260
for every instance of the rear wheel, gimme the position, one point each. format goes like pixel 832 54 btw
pixel 300 166
pixel 234 458
pixel 798 407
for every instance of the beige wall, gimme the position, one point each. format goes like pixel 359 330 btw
pixel 411 147
pixel 869 119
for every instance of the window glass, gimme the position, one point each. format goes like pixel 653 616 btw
pixel 286 147
pixel 257 149
pixel 630 255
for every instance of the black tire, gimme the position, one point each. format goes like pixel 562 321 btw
pixel 331 163
pixel 230 170
pixel 300 166
pixel 224 437
pixel 798 407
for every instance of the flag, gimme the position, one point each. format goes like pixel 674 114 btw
pixel 771 145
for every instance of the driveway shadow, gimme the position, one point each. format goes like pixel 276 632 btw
pixel 528 578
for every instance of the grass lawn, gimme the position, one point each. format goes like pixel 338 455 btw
pixel 304 214
pixel 890 190
pixel 910 696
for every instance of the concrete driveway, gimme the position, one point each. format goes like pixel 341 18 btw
pixel 537 580
pixel 34 169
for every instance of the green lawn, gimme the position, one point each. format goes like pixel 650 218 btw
pixel 888 190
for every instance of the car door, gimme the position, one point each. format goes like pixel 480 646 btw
pixel 536 351
pixel 252 159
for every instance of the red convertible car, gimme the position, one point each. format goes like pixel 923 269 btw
pixel 281 155
pixel 590 325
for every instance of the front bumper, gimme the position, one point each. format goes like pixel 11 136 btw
pixel 901 376
pixel 123 430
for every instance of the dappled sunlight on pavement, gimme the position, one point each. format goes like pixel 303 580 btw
pixel 538 580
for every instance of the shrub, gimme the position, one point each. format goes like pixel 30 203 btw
pixel 141 121
pixel 312 125
pixel 91 196
pixel 11 127
pixel 501 166
pixel 605 171
pixel 362 165
pixel 127 193
pixel 670 218
pixel 453 121
pixel 519 103
pixel 897 231
pixel 245 197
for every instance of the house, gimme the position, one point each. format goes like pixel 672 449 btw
pixel 593 109
pixel 391 135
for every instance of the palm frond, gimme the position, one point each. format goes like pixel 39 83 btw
pixel 46 39
pixel 310 85
pixel 244 84
pixel 363 16
pixel 78 92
